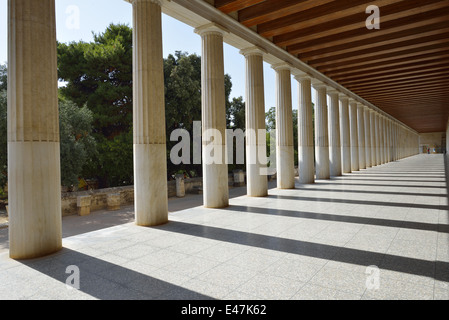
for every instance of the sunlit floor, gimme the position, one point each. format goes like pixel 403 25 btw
pixel 381 233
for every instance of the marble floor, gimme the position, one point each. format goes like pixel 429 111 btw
pixel 380 233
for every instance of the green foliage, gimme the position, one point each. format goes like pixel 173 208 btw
pixel 78 146
pixel 3 139
pixel 115 162
pixel 3 77
pixel 99 74
pixel 270 117
pixel 235 114
pixel 182 77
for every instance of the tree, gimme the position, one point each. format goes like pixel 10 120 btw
pixel 3 140
pixel 270 117
pixel 182 77
pixel 3 77
pixel 99 75
pixel 235 114
pixel 77 144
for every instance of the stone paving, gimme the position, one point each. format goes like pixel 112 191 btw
pixel 381 233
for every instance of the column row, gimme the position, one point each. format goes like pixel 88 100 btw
pixel 345 136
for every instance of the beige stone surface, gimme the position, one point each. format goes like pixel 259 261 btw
pixel 284 128
pixel 215 173
pixel 150 169
pixel 113 201
pixel 322 170
pixel 306 159
pixel 345 135
pixel 257 184
pixel 354 135
pixel 334 134
pixel 33 130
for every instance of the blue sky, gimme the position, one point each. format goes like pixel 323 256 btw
pixel 97 15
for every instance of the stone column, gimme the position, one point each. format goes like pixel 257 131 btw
pixel 376 117
pixel 387 127
pixel 215 169
pixel 321 133
pixel 257 182
pixel 384 132
pixel 355 164
pixel 334 133
pixel 306 159
pixel 34 181
pixel 345 134
pixel 150 155
pixel 361 135
pixel 366 114
pixel 284 128
pixel 381 140
pixel 390 141
pixel 384 139
pixel 372 118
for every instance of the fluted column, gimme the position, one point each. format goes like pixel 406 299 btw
pixel 366 115
pixel 345 137
pixel 384 139
pixel 355 164
pixel 377 127
pixel 284 128
pixel 390 141
pixel 34 180
pixel 321 133
pixel 306 159
pixel 381 140
pixel 361 135
pixel 215 169
pixel 372 118
pixel 334 133
pixel 150 157
pixel 387 129
pixel 257 185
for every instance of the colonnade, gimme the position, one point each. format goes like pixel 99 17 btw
pixel 344 136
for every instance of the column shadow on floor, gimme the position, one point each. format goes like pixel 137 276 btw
pixel 346 178
pixel 342 218
pixel 437 270
pixel 107 281
pixel 373 191
pixel 361 202
pixel 336 183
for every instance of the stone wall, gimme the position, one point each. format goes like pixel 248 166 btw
pixel 432 141
pixel 99 198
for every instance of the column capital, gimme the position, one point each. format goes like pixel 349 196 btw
pixel 332 90
pixel 300 75
pixel 210 28
pixel 282 66
pixel 352 101
pixel 159 2
pixel 317 84
pixel 254 50
pixel 343 97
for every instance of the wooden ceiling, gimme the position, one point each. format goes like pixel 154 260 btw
pixel 402 68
